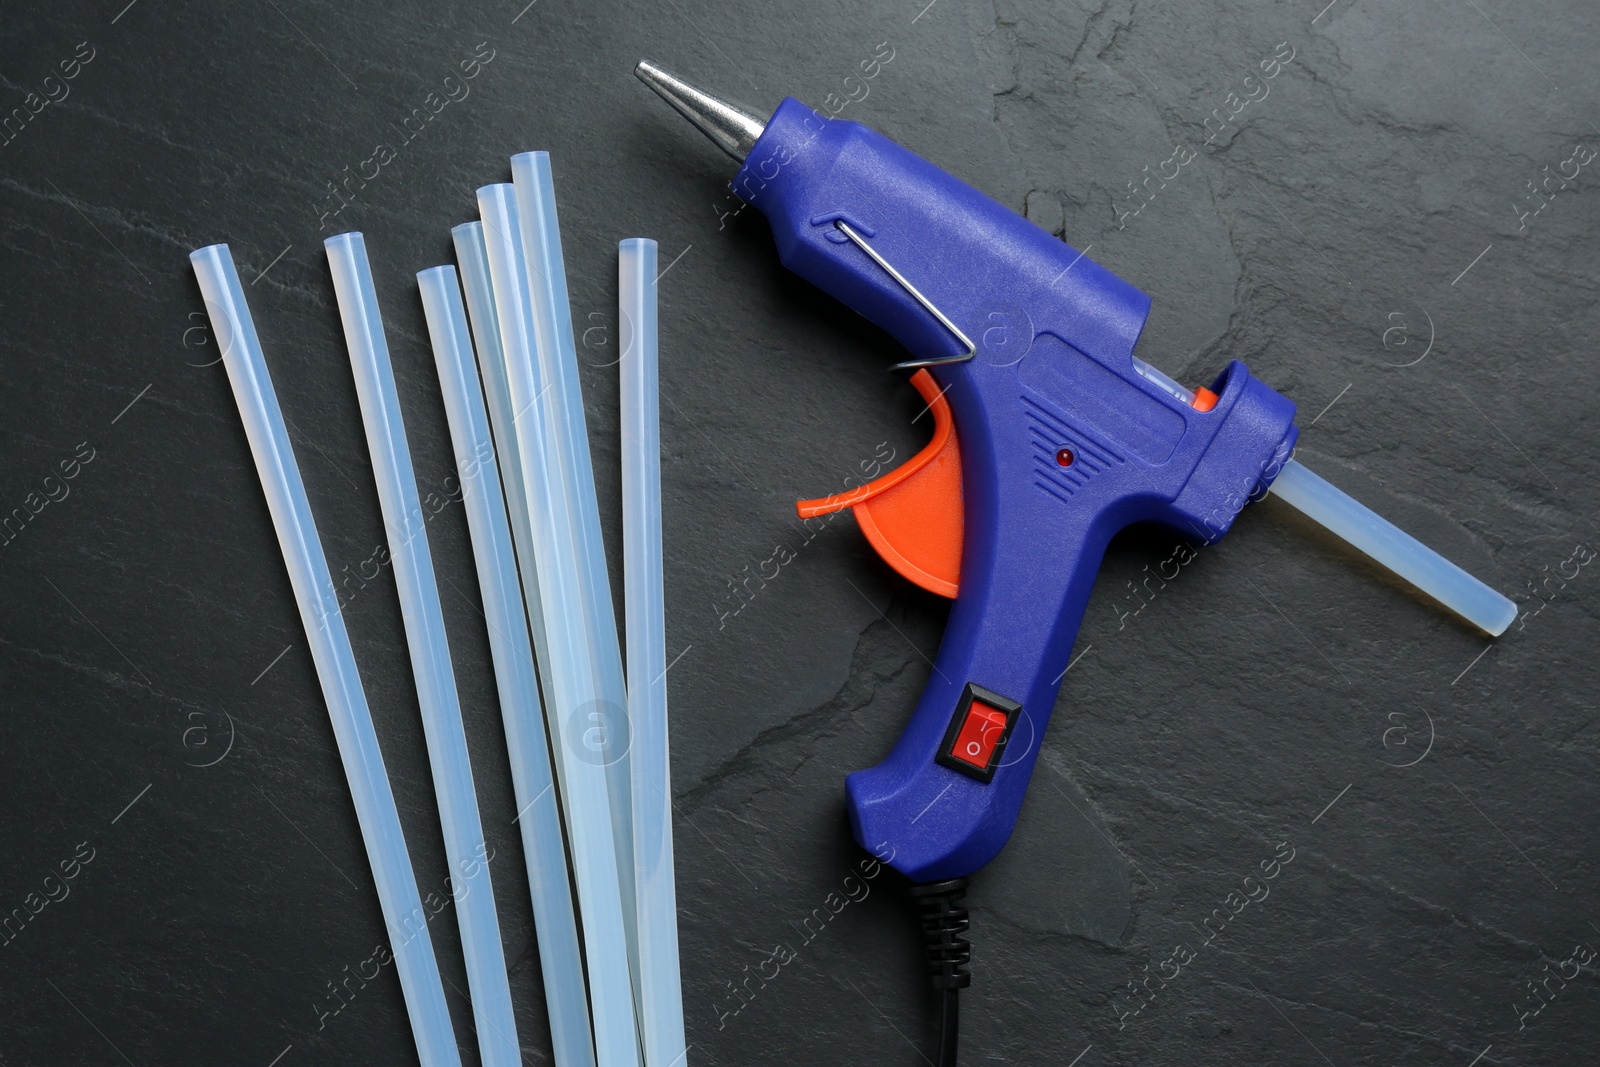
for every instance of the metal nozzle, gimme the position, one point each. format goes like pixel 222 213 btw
pixel 733 128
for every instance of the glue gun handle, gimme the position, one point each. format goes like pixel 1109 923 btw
pixel 926 811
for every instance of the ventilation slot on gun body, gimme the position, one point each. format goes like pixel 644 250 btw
pixel 1064 456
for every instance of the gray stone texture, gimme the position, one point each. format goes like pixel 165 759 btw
pixel 1324 236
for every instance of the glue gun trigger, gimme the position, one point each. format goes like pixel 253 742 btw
pixel 912 516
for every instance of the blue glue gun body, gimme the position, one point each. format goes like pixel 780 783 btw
pixel 1063 442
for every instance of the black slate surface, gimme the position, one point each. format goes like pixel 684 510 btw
pixel 180 860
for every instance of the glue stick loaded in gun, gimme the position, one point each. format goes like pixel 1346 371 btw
pixel 1050 436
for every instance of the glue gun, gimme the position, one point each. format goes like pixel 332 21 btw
pixel 1050 436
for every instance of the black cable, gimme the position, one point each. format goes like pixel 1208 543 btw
pixel 944 924
pixel 949 1026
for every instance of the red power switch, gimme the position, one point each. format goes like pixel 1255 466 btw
pixel 978 733
pixel 984 728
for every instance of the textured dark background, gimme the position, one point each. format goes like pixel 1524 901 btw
pixel 160 712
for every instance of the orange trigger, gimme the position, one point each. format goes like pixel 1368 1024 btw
pixel 912 515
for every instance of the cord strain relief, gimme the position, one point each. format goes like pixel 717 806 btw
pixel 944 924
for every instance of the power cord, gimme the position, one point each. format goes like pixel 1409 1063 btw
pixel 944 924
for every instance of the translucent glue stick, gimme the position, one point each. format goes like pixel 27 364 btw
pixel 473 256
pixel 567 437
pixel 318 601
pixel 655 891
pixel 1391 546
pixel 584 714
pixel 464 842
pixel 1362 528
pixel 537 812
